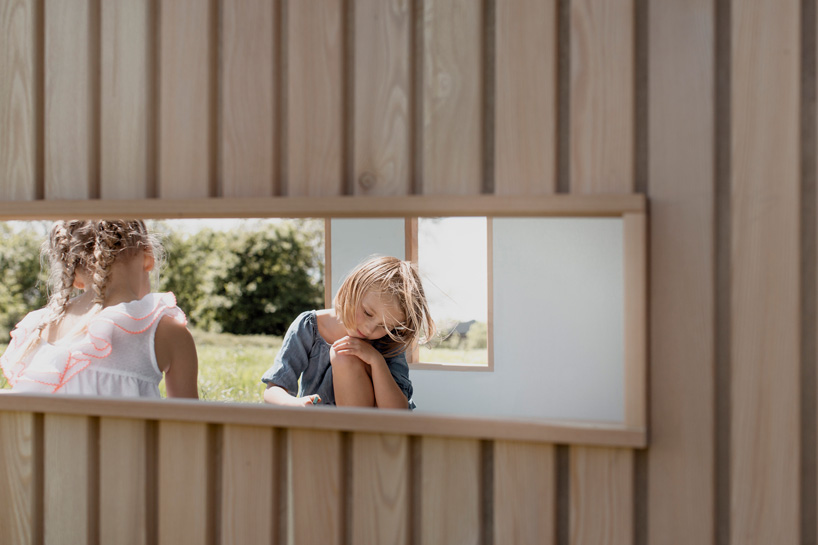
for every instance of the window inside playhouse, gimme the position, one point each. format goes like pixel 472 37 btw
pixel 452 256
pixel 452 259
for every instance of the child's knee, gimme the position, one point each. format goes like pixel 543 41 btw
pixel 350 364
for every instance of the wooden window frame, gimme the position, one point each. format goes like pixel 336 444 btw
pixel 631 207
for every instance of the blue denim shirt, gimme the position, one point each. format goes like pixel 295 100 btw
pixel 305 354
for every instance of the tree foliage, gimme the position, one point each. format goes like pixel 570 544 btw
pixel 252 281
pixel 22 284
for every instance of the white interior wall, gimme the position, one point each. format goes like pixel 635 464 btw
pixel 354 240
pixel 558 321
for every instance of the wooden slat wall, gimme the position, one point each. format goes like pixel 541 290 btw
pixel 125 99
pixel 250 79
pixel 18 100
pixel 706 107
pixel 682 187
pixel 86 479
pixel 765 345
pixel 69 138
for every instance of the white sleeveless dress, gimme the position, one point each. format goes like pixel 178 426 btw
pixel 112 356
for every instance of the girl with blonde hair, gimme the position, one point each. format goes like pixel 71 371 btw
pixel 103 332
pixel 354 353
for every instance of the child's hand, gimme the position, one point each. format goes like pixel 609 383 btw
pixel 353 346
pixel 308 401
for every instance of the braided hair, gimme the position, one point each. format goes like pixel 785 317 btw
pixel 112 239
pixel 89 247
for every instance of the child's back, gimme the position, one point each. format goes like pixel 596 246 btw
pixel 116 338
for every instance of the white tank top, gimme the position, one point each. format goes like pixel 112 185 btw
pixel 112 356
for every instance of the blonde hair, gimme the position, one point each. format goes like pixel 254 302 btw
pixel 88 247
pixel 395 278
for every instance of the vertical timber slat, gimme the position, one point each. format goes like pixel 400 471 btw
pixel 68 96
pixel 601 496
pixel 182 483
pixel 248 486
pixel 635 257
pixel 125 113
pixel 765 261
pixel 602 161
pixel 452 97
pixel 185 99
pixel 123 476
pixel 682 240
pixel 526 101
pixel 450 491
pixel 17 478
pixel 602 91
pixel 248 133
pixel 380 489
pixel 525 499
pixel 67 479
pixel 382 97
pixel 314 98
pixel 17 101
pixel 314 488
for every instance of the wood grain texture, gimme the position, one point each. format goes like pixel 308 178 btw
pixel 248 125
pixel 682 261
pixel 452 97
pixel 450 491
pixel 382 97
pixel 601 496
pixel 525 493
pixel 185 98
pixel 314 487
pixel 17 466
pixel 124 94
pixel 67 479
pixel 335 207
pixel 602 162
pixel 526 97
pixel 380 489
pixel 183 477
pixel 765 261
pixel 602 96
pixel 123 482
pixel 249 486
pixel 337 419
pixel 17 100
pixel 314 98
pixel 634 235
pixel 68 99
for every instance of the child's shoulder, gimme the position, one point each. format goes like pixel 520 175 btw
pixel 148 309
pixel 31 320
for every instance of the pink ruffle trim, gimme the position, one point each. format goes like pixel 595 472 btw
pixel 134 317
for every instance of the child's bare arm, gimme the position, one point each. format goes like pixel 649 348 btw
pixel 276 395
pixel 177 358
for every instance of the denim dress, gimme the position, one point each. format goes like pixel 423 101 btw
pixel 305 355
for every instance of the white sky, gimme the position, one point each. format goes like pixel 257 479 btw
pixel 452 259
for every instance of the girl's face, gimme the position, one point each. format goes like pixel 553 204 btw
pixel 376 314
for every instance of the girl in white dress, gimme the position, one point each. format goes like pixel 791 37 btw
pixel 116 337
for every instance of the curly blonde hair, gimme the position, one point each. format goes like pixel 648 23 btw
pixel 398 279
pixel 88 247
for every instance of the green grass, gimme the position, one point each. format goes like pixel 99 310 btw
pixel 454 355
pixel 230 366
